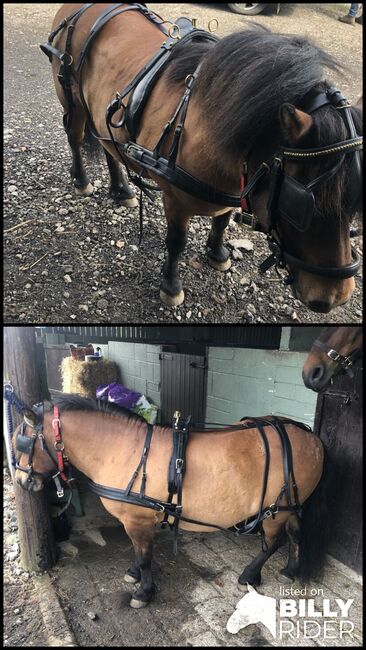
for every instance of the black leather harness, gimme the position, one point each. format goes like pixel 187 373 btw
pixel 287 198
pixel 176 471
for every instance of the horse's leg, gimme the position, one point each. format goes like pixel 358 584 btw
pixel 289 573
pixel 75 136
pixel 119 188
pixel 171 291
pixel 141 533
pixel 274 538
pixel 218 255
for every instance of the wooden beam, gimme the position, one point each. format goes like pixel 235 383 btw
pixel 36 537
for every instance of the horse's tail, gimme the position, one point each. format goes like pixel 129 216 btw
pixel 314 527
pixel 91 145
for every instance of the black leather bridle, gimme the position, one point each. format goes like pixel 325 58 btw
pixel 26 445
pixel 295 203
pixel 344 362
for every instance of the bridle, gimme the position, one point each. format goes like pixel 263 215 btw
pixel 295 202
pixel 344 362
pixel 26 445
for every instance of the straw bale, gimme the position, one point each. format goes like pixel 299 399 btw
pixel 83 377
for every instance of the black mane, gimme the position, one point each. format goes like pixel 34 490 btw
pixel 243 81
pixel 250 74
pixel 71 402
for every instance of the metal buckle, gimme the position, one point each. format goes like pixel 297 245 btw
pixel 333 354
pixel 270 512
pixel 59 445
pixel 132 147
pixel 179 463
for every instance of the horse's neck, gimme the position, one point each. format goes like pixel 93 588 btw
pixel 201 156
pixel 89 438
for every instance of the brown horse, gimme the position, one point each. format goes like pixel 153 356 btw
pixel 254 92
pixel 336 349
pixel 222 484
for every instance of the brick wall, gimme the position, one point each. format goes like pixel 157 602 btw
pixel 139 366
pixel 240 381
pixel 257 382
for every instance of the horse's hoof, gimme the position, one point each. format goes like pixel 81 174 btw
pixel 285 579
pixel 131 579
pixel 137 604
pixel 130 203
pixel 172 301
pixel 243 588
pixel 84 191
pixel 127 203
pixel 219 266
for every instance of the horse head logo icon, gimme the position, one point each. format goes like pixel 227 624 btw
pixel 253 608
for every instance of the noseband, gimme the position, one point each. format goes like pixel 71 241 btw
pixel 344 362
pixel 295 202
pixel 26 445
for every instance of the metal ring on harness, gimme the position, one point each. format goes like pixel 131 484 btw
pixel 210 28
pixel 71 58
pixel 171 33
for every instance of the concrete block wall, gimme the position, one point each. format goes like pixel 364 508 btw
pixel 139 366
pixel 244 381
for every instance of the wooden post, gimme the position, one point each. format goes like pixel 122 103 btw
pixel 36 537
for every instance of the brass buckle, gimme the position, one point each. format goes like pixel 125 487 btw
pixel 216 22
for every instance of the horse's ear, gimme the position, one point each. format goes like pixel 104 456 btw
pixel 294 123
pixel 30 417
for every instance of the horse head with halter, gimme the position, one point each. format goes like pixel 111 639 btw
pixel 336 350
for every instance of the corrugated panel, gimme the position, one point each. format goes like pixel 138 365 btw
pixel 183 385
pixel 252 336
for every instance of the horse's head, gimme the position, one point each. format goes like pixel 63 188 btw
pixel 308 195
pixel 34 461
pixel 334 351
pixel 253 608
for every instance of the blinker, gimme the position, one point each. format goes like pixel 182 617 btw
pixel 296 203
pixel 25 444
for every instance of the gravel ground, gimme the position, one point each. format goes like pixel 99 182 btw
pixel 76 260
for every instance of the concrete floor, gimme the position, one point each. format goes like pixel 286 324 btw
pixel 197 589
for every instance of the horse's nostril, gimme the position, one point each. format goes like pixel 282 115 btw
pixel 317 373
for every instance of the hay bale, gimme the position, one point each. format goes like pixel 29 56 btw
pixel 83 377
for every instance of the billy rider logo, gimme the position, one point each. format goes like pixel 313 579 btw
pixel 297 618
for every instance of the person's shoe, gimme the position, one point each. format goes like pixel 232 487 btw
pixel 350 20
pixel 359 19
